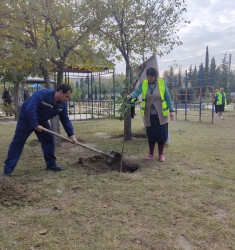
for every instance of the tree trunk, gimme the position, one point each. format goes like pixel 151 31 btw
pixel 16 100
pixel 60 74
pixel 55 126
pixel 46 76
pixel 127 117
pixel 55 121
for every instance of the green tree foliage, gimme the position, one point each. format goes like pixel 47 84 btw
pixel 224 76
pixel 169 77
pixel 48 35
pixel 51 34
pixel 212 69
pixel 194 77
pixel 135 29
pixel 200 74
pixel 180 83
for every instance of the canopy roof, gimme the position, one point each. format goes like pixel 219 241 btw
pixel 36 80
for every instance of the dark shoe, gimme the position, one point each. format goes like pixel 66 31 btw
pixel 54 168
pixel 6 175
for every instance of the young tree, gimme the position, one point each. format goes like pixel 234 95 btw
pixel 136 29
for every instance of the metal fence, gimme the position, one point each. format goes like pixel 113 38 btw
pixel 87 109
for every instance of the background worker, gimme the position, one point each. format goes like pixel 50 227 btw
pixel 156 107
pixel 7 99
pixel 34 115
pixel 221 102
pixel 215 100
pixel 25 95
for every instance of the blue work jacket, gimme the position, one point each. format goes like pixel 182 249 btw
pixel 41 107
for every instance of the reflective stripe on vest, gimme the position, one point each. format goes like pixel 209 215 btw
pixel 161 86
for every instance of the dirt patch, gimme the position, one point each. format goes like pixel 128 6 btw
pixel 183 243
pixel 219 213
pixel 103 135
pixel 197 171
pixel 100 164
pixel 7 119
pixel 13 192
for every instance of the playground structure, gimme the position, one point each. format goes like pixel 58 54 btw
pixel 86 109
pixel 95 104
pixel 195 101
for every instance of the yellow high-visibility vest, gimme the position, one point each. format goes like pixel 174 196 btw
pixel 220 98
pixel 161 86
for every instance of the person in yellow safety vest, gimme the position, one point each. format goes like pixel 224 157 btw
pixel 215 100
pixel 132 102
pixel 221 101
pixel 156 107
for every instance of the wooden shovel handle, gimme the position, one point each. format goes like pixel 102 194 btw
pixel 77 143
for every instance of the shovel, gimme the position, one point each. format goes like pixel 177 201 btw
pixel 113 157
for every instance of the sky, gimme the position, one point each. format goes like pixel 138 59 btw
pixel 213 25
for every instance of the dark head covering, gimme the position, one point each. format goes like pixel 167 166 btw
pixel 151 72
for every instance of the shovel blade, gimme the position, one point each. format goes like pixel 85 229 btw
pixel 113 157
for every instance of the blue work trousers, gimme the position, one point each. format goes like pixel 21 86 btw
pixel 22 132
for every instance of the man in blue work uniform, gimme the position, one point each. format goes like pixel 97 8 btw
pixel 34 115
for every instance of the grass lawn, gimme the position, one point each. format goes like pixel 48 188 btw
pixel 186 202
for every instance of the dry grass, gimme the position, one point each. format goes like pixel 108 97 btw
pixel 185 203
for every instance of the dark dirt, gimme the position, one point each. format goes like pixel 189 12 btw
pixel 100 164
pixel 13 192
pixel 134 136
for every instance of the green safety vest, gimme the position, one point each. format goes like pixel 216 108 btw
pixel 161 85
pixel 220 98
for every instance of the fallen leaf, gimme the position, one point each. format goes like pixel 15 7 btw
pixel 43 231
pixel 173 222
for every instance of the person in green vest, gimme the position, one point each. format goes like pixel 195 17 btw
pixel 215 100
pixel 156 109
pixel 221 102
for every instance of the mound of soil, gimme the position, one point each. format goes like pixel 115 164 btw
pixel 13 192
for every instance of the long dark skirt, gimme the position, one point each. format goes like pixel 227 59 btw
pixel 220 108
pixel 157 132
